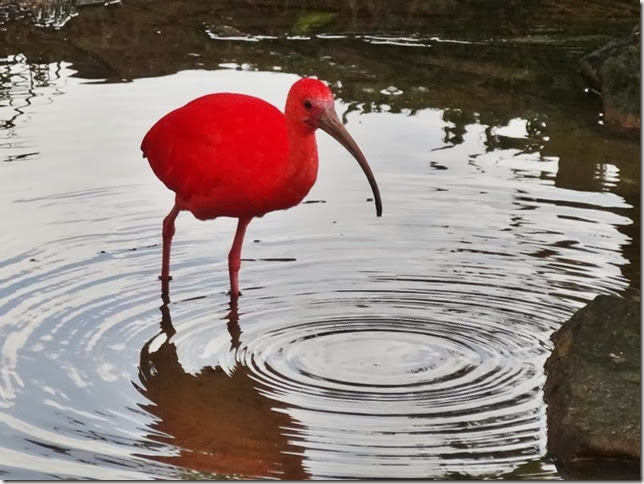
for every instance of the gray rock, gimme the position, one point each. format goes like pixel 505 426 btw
pixel 614 70
pixel 593 391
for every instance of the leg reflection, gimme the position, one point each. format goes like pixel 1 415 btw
pixel 220 424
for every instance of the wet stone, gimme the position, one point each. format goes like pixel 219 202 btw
pixel 593 391
pixel 614 70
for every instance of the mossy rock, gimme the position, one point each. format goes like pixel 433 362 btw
pixel 614 70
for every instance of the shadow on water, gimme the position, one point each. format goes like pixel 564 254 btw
pixel 221 424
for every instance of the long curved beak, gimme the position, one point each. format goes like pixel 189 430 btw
pixel 331 124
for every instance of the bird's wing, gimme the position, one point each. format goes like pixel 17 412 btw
pixel 217 142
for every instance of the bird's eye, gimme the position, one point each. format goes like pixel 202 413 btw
pixel 307 104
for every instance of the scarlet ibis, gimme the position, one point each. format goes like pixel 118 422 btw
pixel 233 155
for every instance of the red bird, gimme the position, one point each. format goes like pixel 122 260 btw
pixel 232 155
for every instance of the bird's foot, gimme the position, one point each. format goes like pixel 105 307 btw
pixel 161 278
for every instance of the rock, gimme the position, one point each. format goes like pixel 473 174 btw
pixel 593 391
pixel 614 70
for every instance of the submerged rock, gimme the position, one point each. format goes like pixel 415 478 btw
pixel 593 392
pixel 614 70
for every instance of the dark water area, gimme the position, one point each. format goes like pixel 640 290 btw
pixel 410 346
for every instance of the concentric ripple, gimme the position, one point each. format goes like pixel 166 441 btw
pixel 377 360
pixel 443 380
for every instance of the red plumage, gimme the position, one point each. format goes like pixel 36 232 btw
pixel 224 155
pixel 234 155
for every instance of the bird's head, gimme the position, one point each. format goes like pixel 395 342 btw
pixel 308 101
pixel 310 105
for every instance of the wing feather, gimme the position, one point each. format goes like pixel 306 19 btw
pixel 230 144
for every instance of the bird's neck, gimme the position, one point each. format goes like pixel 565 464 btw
pixel 302 159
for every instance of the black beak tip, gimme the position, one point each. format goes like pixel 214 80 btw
pixel 378 205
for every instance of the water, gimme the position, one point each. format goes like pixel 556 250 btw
pixel 407 346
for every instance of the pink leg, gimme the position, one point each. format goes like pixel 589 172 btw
pixel 168 232
pixel 234 257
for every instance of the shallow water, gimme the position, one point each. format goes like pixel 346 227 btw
pixel 407 346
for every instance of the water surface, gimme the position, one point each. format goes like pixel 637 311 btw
pixel 407 346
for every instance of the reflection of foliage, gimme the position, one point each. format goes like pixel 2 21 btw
pixel 309 22
pixel 536 125
pixel 21 82
pixel 54 14
pixel 456 121
pixel 48 13
pixel 534 142
pixel 439 54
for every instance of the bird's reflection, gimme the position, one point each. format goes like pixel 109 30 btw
pixel 220 423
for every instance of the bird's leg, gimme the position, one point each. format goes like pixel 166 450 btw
pixel 234 257
pixel 168 232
